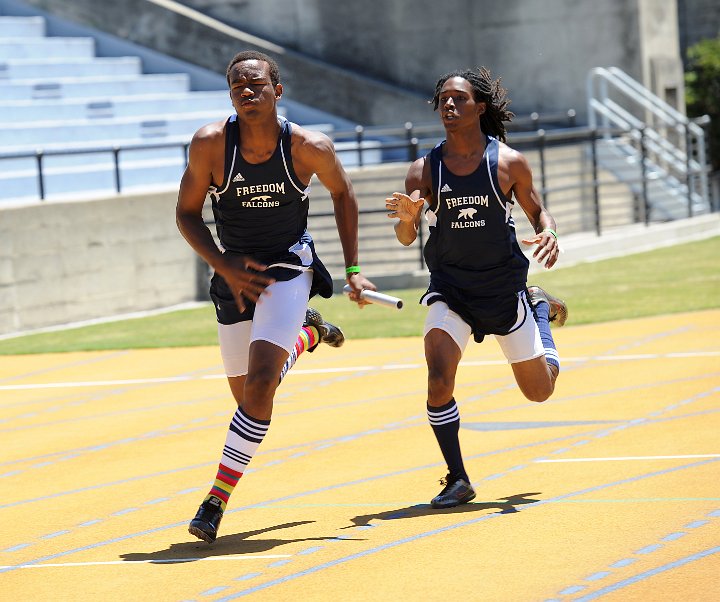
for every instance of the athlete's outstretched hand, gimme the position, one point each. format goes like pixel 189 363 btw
pixel 403 207
pixel 241 275
pixel 547 250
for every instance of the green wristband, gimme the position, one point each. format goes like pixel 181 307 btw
pixel 551 232
pixel 353 269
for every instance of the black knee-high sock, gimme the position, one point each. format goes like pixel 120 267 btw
pixel 445 423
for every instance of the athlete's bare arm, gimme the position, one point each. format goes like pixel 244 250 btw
pixel 314 153
pixel 407 208
pixel 206 160
pixel 516 179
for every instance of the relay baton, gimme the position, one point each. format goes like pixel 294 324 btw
pixel 377 298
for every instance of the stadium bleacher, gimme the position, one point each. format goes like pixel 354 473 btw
pixel 66 111
pixel 56 95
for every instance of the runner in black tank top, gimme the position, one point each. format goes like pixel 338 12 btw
pixel 257 167
pixel 477 272
pixel 261 210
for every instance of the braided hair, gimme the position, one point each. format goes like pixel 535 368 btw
pixel 487 90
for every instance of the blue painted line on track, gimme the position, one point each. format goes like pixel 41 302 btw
pixel 597 576
pixel 214 591
pixel 247 576
pixel 574 589
pixel 649 549
pixel 651 573
pixel 418 536
pixel 624 562
pixel 674 536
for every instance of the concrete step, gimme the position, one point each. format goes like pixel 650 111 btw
pixel 21 27
pixel 16 137
pixel 39 48
pixel 28 89
pixel 14 69
pixel 103 106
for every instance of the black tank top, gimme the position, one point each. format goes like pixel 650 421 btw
pixel 472 243
pixel 260 209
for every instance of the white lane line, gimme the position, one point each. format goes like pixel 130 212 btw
pixel 154 561
pixel 298 372
pixel 624 458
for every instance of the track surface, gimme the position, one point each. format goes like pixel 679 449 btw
pixel 610 490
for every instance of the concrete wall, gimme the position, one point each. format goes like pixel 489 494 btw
pixel 374 52
pixel 543 50
pixel 67 262
pixel 173 29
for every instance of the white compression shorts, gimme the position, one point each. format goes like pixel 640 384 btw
pixel 278 319
pixel 521 344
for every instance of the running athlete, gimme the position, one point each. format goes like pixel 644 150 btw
pixel 478 274
pixel 257 168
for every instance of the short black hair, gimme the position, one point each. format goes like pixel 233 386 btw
pixel 253 55
pixel 487 90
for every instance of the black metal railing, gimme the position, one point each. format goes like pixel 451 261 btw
pixel 412 140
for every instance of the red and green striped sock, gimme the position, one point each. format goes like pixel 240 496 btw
pixel 225 482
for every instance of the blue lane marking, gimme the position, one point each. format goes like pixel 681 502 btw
pixel 696 523
pixel 624 562
pixel 649 549
pixel 17 547
pixel 247 576
pixel 87 523
pixel 124 511
pixel 158 501
pixel 597 576
pixel 674 536
pixel 573 589
pixel 646 574
pixel 214 590
pixel 715 513
pixel 278 563
pixel 474 521
pixel 310 551
pixel 56 534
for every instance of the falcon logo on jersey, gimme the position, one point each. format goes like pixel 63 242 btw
pixel 468 214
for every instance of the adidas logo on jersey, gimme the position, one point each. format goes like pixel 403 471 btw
pixel 238 178
pixel 446 188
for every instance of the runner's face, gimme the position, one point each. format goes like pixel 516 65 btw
pixel 457 104
pixel 251 88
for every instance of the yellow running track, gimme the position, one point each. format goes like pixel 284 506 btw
pixel 610 490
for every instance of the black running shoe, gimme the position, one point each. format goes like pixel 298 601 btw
pixel 329 333
pixel 207 520
pixel 456 491
pixel 558 309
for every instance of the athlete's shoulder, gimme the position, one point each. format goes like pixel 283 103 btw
pixel 211 133
pixel 510 156
pixel 312 150
pixel 310 139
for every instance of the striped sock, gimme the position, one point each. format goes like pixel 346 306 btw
pixel 307 339
pixel 542 318
pixel 244 436
pixel 445 423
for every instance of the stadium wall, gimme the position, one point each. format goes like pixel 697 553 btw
pixel 64 262
pixel 379 65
